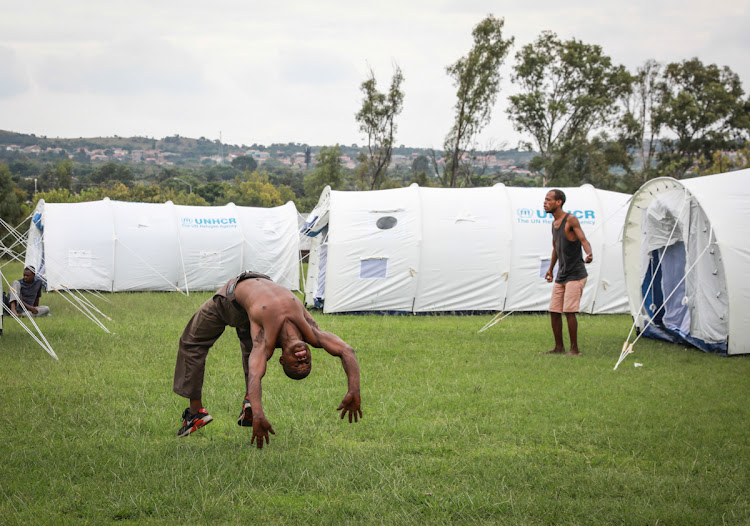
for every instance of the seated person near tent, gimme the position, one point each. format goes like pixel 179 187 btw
pixel 567 240
pixel 266 316
pixel 27 291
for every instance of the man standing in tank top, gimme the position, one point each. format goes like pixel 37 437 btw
pixel 567 240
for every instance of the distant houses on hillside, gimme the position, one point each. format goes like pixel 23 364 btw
pixel 298 159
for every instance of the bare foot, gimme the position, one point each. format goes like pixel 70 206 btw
pixel 553 351
pixel 573 352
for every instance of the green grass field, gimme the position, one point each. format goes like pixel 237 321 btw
pixel 458 427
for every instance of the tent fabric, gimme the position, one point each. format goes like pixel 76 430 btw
pixel 120 246
pixel 693 227
pixel 424 250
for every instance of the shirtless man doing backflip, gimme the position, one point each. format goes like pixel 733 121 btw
pixel 266 316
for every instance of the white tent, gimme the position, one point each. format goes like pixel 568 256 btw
pixel 686 255
pixel 119 246
pixel 475 249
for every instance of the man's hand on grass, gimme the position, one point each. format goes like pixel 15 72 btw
pixel 350 404
pixel 261 428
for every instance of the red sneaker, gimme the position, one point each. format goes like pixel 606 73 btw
pixel 193 422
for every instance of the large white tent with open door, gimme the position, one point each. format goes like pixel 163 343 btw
pixel 686 258
pixel 119 246
pixel 470 249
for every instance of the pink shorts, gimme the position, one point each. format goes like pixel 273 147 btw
pixel 566 297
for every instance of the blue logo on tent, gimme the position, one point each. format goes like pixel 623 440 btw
pixel 209 222
pixel 538 215
pixel 524 213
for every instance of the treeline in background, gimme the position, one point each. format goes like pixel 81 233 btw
pixel 587 120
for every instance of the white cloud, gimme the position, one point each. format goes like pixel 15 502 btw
pixel 316 67
pixel 123 68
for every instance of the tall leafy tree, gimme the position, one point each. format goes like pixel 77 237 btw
pixel 477 78
pixel 702 106
pixel 377 120
pixel 47 179
pixel 329 171
pixel 638 131
pixel 245 163
pixel 567 90
pixel 64 174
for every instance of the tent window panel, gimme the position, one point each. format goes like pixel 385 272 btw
pixel 209 259
pixel 373 269
pixel 79 258
pixel 544 267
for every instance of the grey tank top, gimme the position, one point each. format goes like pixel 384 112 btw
pixel 569 259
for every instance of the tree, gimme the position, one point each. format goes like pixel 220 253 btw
pixel 723 162
pixel 376 119
pixel 568 89
pixel 112 173
pixel 11 209
pixel 477 78
pixel 64 174
pixel 327 172
pixel 421 169
pixel 212 191
pixel 703 107
pixel 57 196
pixel 47 179
pixel 167 174
pixel 245 163
pixel 258 191
pixel 638 129
pixel 221 172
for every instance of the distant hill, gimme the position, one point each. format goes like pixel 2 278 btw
pixel 189 151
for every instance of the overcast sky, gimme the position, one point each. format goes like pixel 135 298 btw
pixel 290 71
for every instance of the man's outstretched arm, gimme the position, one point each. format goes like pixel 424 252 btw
pixel 257 363
pixel 335 346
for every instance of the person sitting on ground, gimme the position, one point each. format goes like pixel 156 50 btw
pixel 266 316
pixel 27 291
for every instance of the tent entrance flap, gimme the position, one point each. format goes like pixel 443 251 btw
pixel 667 301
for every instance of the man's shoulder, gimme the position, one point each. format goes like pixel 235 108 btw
pixel 572 221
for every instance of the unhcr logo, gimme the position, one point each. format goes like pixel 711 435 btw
pixel 527 215
pixel 209 222
pixel 524 213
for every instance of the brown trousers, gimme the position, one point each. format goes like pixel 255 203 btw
pixel 202 331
